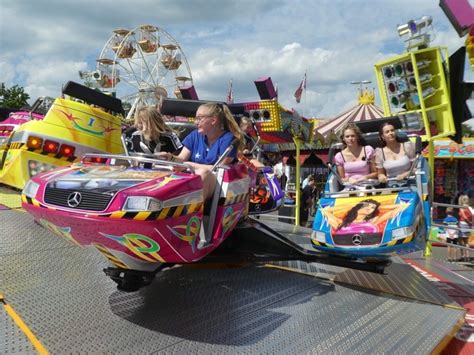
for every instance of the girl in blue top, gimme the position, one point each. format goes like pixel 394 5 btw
pixel 216 128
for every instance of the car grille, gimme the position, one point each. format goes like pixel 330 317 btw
pixel 365 239
pixel 92 201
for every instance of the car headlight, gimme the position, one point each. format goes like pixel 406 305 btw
pixel 30 189
pixel 318 236
pixel 142 203
pixel 403 232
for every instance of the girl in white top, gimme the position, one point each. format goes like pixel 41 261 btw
pixel 394 159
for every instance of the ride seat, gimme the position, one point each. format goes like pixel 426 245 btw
pixel 373 139
pixel 333 183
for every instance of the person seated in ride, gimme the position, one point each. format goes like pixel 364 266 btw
pixel 394 159
pixel 216 129
pixel 244 125
pixel 150 134
pixel 355 163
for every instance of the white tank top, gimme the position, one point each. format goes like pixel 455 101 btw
pixel 393 168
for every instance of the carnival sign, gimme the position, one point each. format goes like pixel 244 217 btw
pixel 446 148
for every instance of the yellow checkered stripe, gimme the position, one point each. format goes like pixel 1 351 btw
pixel 233 200
pixel 406 239
pixel 400 241
pixel 112 258
pixel 16 145
pixel 321 244
pixel 34 202
pixel 168 212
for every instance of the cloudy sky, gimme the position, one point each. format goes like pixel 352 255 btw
pixel 44 43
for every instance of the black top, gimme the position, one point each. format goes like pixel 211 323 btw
pixel 136 143
pixel 307 194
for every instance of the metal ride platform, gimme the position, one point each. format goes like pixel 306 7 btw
pixel 61 294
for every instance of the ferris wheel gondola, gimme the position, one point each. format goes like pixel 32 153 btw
pixel 142 66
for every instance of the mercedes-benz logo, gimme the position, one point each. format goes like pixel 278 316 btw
pixel 74 199
pixel 356 239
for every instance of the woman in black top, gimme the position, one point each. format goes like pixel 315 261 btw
pixel 150 134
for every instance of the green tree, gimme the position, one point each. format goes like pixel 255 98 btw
pixel 14 97
pixel 467 131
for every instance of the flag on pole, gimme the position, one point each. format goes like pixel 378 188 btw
pixel 300 89
pixel 230 94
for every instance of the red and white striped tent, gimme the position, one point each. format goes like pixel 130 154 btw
pixel 364 110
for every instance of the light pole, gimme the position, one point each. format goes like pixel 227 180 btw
pixel 360 82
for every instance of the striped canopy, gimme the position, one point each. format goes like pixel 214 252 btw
pixel 365 110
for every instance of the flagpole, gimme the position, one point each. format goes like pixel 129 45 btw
pixel 230 94
pixel 305 83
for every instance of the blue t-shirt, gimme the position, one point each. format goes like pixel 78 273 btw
pixel 453 222
pixel 201 153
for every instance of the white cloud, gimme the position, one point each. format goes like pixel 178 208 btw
pixel 335 41
pixel 43 78
pixel 7 72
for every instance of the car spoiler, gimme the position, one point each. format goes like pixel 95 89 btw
pixel 93 97
pixel 188 108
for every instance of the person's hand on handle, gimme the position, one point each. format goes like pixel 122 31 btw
pixel 402 176
pixel 166 156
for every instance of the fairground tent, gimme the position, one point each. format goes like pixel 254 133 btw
pixel 329 131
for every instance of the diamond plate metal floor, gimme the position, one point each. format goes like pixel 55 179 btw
pixel 12 339
pixel 62 295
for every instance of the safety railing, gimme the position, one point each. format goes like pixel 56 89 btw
pixel 133 160
pixel 446 227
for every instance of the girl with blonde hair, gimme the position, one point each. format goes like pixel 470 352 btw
pixel 216 129
pixel 355 162
pixel 150 134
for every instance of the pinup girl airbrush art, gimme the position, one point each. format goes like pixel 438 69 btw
pixel 367 216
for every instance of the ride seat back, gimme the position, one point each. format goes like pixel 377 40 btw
pixel 373 139
pixel 333 184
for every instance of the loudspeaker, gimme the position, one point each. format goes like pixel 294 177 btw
pixel 260 115
pixel 97 75
pixel 265 88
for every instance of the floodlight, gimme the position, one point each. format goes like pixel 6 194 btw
pixel 361 82
pixel 417 31
pixel 413 27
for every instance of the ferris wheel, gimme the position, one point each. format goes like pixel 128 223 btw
pixel 142 66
